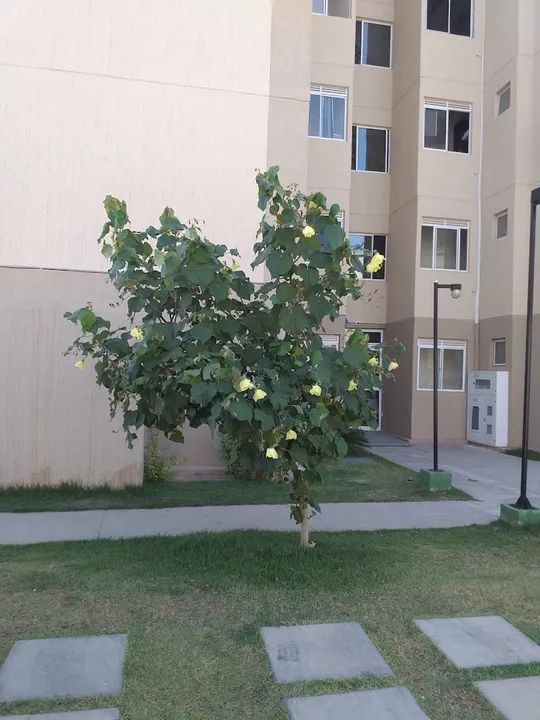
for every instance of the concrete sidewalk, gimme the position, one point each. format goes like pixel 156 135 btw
pixel 487 475
pixel 27 528
pixel 490 476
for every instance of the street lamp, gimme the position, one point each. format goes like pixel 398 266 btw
pixel 455 292
pixel 436 479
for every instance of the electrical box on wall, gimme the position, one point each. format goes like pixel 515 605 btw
pixel 487 408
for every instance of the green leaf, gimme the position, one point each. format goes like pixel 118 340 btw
pixel 219 289
pixel 265 418
pixel 355 355
pixel 333 236
pixel 117 346
pixel 169 221
pixel 285 293
pixel 241 410
pixel 279 263
pixel 116 211
pixel 293 319
pixel 203 331
pixel 318 414
pixel 203 392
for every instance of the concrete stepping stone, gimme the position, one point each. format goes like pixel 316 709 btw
pixel 105 714
pixel 387 704
pixel 63 667
pixel 480 641
pixel 517 699
pixel 320 652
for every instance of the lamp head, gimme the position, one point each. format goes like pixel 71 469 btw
pixel 455 290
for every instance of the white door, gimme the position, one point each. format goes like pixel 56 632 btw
pixel 482 419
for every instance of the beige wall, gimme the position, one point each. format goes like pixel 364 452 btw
pixel 54 420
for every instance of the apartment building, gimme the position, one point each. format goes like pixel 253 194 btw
pixel 417 116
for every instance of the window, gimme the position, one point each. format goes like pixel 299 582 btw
pixel 444 246
pixel 501 225
pixel 499 351
pixel 451 365
pixel 327 112
pixel 368 245
pixel 503 99
pixel 373 44
pixel 450 16
pixel 337 8
pixel 330 341
pixel 370 149
pixel 447 126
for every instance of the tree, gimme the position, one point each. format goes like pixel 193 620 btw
pixel 210 348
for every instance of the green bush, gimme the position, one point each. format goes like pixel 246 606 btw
pixel 157 465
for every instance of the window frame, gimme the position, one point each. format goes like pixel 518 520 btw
pixel 329 336
pixel 505 88
pixel 427 344
pixel 330 91
pixel 497 216
pixel 457 225
pixel 325 12
pixel 361 257
pixel 494 343
pixel 447 106
pixel 375 22
pixel 448 32
pixel 355 128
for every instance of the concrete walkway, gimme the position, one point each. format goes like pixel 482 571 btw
pixel 488 476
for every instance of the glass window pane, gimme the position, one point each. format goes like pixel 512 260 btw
pixel 504 100
pixel 319 6
pixel 358 43
pixel 360 244
pixel 379 245
pixel 437 15
pixel 371 149
pixel 333 117
pixel 502 225
pixel 435 129
pixel 460 17
pixel 315 115
pixel 425 369
pixel 446 249
pixel 376 44
pixel 452 373
pixel 339 8
pixel 499 352
pixel 458 131
pixel 463 248
pixel 426 249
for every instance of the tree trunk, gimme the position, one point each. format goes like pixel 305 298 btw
pixel 304 529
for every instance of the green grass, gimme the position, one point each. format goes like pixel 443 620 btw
pixel 193 606
pixel 377 480
pixel 516 452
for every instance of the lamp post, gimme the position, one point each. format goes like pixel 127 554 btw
pixel 455 292
pixel 522 512
pixel 436 479
pixel 523 502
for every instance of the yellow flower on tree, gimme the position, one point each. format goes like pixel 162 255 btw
pixel 376 263
pixel 79 364
pixel 315 390
pixel 373 361
pixel 272 453
pixel 291 435
pixel 235 265
pixel 136 333
pixel 259 395
pixel 308 231
pixel 393 365
pixel 243 384
pixel 312 205
pixel 353 385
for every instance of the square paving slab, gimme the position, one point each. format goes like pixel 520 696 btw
pixel 105 714
pixel 517 699
pixel 320 652
pixel 63 667
pixel 480 641
pixel 388 704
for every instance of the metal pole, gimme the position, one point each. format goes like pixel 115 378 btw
pixel 436 376
pixel 523 502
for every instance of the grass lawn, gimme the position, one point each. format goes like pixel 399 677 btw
pixel 377 480
pixel 193 606
pixel 517 452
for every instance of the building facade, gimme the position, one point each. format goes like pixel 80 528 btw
pixel 417 116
